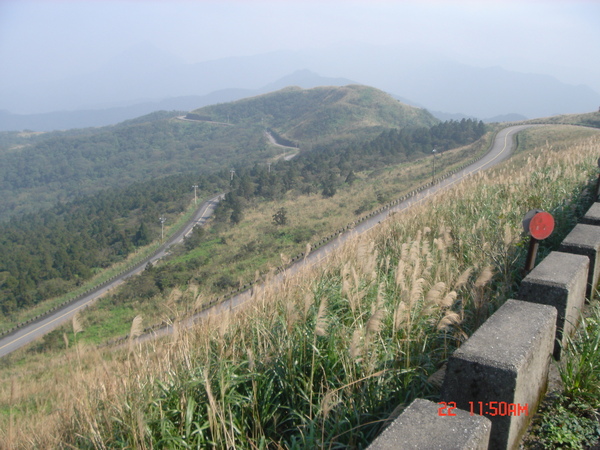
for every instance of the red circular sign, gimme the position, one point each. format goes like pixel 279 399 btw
pixel 541 225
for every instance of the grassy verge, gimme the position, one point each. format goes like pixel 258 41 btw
pixel 570 416
pixel 326 357
pixel 257 244
pixel 552 137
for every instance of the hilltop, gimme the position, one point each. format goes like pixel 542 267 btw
pixel 321 113
pixel 591 119
pixel 339 345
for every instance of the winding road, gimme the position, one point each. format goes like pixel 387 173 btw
pixel 501 149
pixel 38 328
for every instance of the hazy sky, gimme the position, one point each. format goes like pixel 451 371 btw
pixel 42 40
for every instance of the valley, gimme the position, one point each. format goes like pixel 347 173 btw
pixel 350 165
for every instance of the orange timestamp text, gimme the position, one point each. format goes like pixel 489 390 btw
pixel 486 409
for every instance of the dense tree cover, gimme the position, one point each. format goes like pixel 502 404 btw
pixel 326 168
pixel 63 166
pixel 148 149
pixel 45 254
pixel 390 147
pixel 442 136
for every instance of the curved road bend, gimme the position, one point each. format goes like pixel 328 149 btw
pixel 34 330
pixel 502 148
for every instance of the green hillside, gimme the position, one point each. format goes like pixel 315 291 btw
pixel 37 170
pixel 69 165
pixel 321 359
pixel 113 183
pixel 320 114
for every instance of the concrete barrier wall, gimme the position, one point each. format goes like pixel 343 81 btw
pixel 500 373
pixel 560 280
pixel 585 240
pixel 421 426
pixel 504 365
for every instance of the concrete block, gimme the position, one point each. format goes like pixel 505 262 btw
pixel 585 240
pixel 592 216
pixel 560 280
pixel 505 362
pixel 422 426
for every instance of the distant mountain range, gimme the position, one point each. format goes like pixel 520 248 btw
pixel 63 120
pixel 145 79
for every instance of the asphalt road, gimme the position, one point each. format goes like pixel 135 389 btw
pixel 502 148
pixel 37 329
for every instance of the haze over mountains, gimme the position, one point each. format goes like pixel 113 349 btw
pixel 145 79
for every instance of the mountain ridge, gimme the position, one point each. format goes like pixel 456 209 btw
pixel 320 112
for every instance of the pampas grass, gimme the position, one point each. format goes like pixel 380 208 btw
pixel 484 277
pixel 76 322
pixel 137 328
pixel 322 359
pixel 322 322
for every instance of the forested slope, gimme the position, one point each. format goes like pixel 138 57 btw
pixel 48 253
pixel 51 251
pixel 65 166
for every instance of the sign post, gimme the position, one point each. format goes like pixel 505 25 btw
pixel 538 225
pixel 598 184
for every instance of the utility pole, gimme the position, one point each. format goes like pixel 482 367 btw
pixel 195 196
pixel 269 165
pixel 433 174
pixel 162 227
pixel 232 171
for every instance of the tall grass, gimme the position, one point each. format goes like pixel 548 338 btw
pixel 326 357
pixel 580 373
